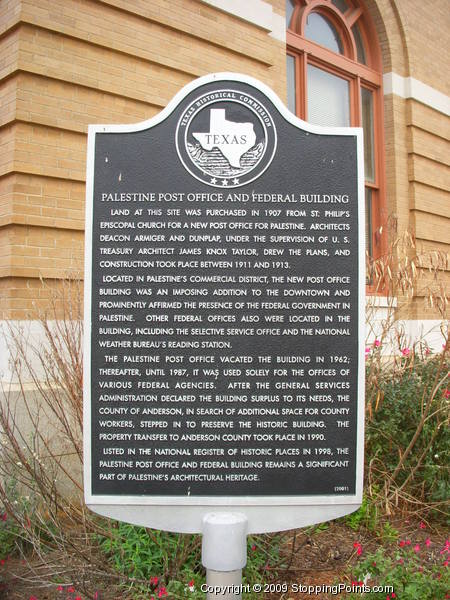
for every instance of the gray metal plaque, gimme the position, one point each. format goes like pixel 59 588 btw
pixel 224 311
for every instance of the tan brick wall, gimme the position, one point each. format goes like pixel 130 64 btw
pixel 429 176
pixel 47 151
pixel 8 94
pixel 397 185
pixel 69 106
pixel 429 199
pixel 427 31
pixel 428 171
pixel 415 36
pixel 9 52
pixel 66 64
pixel 44 201
pixel 9 14
pixel 389 29
pixel 429 131
pixel 30 251
pixel 199 40
pixel 34 298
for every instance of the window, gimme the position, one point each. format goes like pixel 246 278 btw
pixel 334 78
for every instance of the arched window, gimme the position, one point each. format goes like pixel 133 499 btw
pixel 334 78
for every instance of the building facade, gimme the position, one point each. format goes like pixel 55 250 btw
pixel 380 64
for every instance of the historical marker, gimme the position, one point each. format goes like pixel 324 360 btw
pixel 224 312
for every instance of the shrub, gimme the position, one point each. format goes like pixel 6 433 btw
pixel 406 384
pixel 410 575
pixel 155 560
pixel 151 557
pixel 407 446
pixel 8 536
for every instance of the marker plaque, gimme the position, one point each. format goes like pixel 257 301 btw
pixel 224 313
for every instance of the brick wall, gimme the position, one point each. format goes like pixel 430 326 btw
pixel 66 64
pixel 414 36
pixel 427 29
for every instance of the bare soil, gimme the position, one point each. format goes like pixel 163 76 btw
pixel 326 556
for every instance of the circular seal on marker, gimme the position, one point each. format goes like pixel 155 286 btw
pixel 226 138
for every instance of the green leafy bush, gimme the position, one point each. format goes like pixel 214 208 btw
pixel 366 516
pixel 8 534
pixel 169 564
pixel 12 528
pixel 407 444
pixel 411 576
pixel 152 558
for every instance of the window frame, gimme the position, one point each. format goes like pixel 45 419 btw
pixel 359 75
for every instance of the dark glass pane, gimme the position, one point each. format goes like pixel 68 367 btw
pixel 369 229
pixel 328 98
pixel 368 127
pixel 321 30
pixel 289 10
pixel 340 4
pixel 360 52
pixel 290 69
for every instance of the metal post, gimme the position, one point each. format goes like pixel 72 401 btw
pixel 224 554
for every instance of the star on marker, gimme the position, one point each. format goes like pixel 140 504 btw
pixel 235 181
pixel 224 181
pixel 213 180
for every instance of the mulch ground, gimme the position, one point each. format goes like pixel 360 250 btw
pixel 325 557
